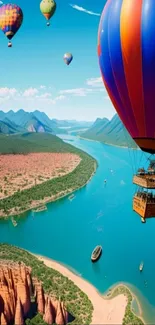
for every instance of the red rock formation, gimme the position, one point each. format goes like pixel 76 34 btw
pixel 59 316
pixel 16 289
pixel 13 284
pixel 19 319
pixel 65 312
pixel 29 282
pixel 40 299
pixel 3 319
pixel 23 294
pixel 54 303
pixel 5 298
pixel 48 316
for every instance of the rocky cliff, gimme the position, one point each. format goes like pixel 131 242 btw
pixel 19 290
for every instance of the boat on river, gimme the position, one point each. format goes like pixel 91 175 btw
pixel 96 254
pixel 14 222
pixel 71 197
pixel 141 266
pixel 41 208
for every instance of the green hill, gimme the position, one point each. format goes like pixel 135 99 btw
pixel 31 142
pixel 110 132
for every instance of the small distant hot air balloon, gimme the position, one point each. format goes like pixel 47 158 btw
pixel 47 8
pixel 68 57
pixel 11 18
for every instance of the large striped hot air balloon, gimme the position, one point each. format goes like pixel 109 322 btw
pixel 126 50
pixel 11 18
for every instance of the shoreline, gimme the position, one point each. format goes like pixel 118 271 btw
pixel 107 144
pixel 51 199
pixel 125 285
pixel 109 308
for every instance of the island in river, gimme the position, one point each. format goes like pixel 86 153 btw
pixel 65 293
pixel 37 168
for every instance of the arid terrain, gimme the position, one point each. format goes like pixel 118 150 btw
pixel 19 172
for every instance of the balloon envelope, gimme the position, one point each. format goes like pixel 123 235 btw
pixel 68 57
pixel 126 50
pixel 11 18
pixel 48 8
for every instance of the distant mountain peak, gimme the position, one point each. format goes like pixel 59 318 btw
pixel 112 132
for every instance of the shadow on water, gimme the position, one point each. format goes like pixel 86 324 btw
pixel 96 268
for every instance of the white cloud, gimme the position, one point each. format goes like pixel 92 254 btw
pixel 7 92
pixel 45 95
pixel 42 87
pixel 89 12
pixel 30 92
pixel 61 97
pixel 95 85
pixel 29 95
pixel 95 82
pixel 76 91
pixel 58 98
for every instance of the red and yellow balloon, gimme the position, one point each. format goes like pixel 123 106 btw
pixel 11 18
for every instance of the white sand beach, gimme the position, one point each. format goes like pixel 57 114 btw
pixel 105 311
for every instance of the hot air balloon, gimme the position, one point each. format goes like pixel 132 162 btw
pixel 68 57
pixel 11 18
pixel 48 8
pixel 126 51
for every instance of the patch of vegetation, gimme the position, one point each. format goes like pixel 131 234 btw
pixel 54 283
pixel 129 317
pixel 72 181
pixel 32 142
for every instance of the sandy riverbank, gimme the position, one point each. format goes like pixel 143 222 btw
pixel 106 311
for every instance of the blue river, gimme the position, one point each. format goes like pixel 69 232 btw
pixel 99 214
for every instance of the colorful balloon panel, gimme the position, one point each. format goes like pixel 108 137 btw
pixel 68 58
pixel 11 17
pixel 126 51
pixel 48 8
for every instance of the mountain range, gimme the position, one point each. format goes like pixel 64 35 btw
pixel 21 121
pixel 104 130
pixel 110 132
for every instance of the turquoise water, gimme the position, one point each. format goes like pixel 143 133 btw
pixel 99 214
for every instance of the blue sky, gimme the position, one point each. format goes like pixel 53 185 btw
pixel 33 73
